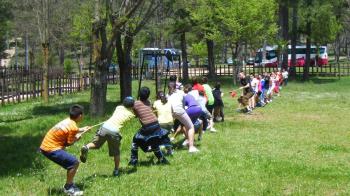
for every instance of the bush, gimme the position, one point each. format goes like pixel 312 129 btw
pixel 68 65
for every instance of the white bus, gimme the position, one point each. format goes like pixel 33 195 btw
pixel 301 55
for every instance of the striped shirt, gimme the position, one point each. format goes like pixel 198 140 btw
pixel 60 136
pixel 144 112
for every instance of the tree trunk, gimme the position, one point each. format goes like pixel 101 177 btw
pixel 45 47
pixel 184 56
pixel 294 39
pixel 99 81
pixel 125 65
pixel 211 58
pixel 284 24
pixel 61 55
pixel 308 52
pixel 26 52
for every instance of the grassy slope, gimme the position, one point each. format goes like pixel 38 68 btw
pixel 296 145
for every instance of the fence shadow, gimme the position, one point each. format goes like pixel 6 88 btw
pixel 324 80
pixel 18 154
pixel 64 108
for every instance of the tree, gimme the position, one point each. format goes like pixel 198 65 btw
pixel 5 16
pixel 125 39
pixel 104 46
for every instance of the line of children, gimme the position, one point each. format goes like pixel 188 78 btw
pixel 193 109
pixel 259 90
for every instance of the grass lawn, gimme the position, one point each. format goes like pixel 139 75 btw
pixel 297 145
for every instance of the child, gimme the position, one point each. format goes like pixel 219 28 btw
pixel 247 92
pixel 218 103
pixel 176 98
pixel 110 132
pixel 173 78
pixel 163 110
pixel 150 136
pixel 209 92
pixel 193 109
pixel 64 134
pixel 285 77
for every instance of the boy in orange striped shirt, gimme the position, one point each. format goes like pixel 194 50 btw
pixel 64 134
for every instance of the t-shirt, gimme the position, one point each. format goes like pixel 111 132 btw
pixel 190 101
pixel 144 112
pixel 120 115
pixel 198 87
pixel 244 82
pixel 217 97
pixel 60 136
pixel 255 84
pixel 176 102
pixel 209 93
pixel 202 101
pixel 285 75
pixel 195 94
pixel 163 112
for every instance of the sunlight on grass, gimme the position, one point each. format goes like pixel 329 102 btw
pixel 297 145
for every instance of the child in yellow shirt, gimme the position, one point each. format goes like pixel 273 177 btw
pixel 110 132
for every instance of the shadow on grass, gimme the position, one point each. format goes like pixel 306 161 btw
pixel 64 108
pixel 19 154
pixel 324 80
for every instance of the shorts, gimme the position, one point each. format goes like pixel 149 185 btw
pixel 184 119
pixel 244 100
pixel 62 158
pixel 112 140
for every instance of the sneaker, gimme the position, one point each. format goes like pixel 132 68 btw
pixel 213 130
pixel 84 153
pixel 72 190
pixel 249 111
pixel 172 139
pixel 185 143
pixel 193 150
pixel 133 162
pixel 115 172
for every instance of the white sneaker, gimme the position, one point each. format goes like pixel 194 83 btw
pixel 172 139
pixel 185 143
pixel 193 150
pixel 213 130
pixel 73 191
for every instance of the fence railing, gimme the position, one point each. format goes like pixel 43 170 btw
pixel 18 84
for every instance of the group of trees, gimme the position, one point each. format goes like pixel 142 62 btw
pixel 98 33
pixel 317 22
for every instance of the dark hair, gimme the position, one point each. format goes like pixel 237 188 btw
pixel 75 111
pixel 162 97
pixel 187 88
pixel 205 80
pixel 217 85
pixel 194 80
pixel 173 78
pixel 171 87
pixel 128 102
pixel 144 93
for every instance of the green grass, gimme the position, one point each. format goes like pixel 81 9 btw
pixel 297 145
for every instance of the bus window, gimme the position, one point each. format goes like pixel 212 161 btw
pixel 271 54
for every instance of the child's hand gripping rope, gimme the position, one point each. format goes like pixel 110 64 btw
pixel 86 129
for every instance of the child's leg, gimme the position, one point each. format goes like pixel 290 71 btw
pixel 71 173
pixel 114 148
pixel 116 162
pixel 222 113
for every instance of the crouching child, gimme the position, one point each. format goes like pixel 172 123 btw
pixel 151 136
pixel 63 134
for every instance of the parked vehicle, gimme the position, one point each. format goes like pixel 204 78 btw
pixel 321 54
